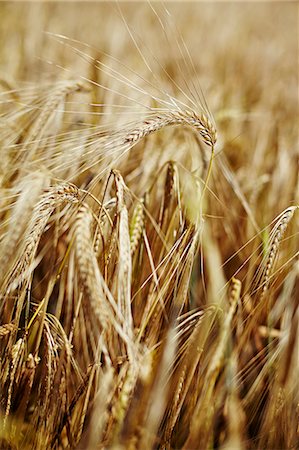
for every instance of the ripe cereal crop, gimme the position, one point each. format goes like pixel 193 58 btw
pixel 149 225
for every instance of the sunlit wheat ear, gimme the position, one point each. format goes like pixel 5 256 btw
pixel 276 237
pixel 41 122
pixel 124 252
pixel 137 226
pixel 42 211
pixel 30 190
pixel 87 264
pixel 58 95
pixel 17 353
pixel 200 123
pixel 101 300
pixel 235 291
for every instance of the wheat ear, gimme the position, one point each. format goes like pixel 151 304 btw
pixel 137 226
pixel 277 235
pixel 199 122
pixel 58 94
pixel 52 198
pixel 102 302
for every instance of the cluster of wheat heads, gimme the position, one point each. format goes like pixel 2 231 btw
pixel 148 269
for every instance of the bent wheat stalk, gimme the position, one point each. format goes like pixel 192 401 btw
pixel 200 123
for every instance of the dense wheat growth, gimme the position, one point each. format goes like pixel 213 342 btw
pixel 149 226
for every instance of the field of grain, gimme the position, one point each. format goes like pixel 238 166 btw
pixel 149 225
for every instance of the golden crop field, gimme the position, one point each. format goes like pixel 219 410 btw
pixel 149 225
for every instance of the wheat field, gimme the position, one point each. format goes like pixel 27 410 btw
pixel 149 225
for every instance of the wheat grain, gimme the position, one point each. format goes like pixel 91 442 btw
pixel 6 329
